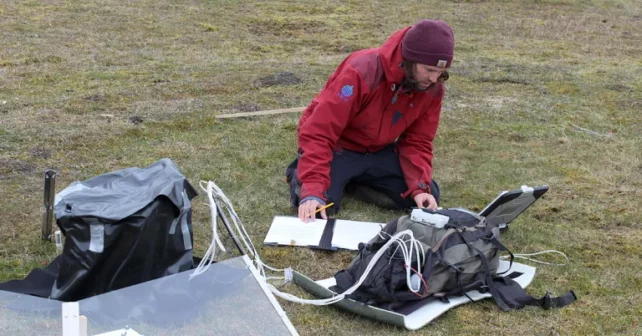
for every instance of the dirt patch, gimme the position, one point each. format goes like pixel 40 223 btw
pixel 517 137
pixel 286 27
pixel 281 78
pixel 136 120
pixel 40 152
pixel 13 166
pixel 499 102
pixel 618 88
pixel 248 107
pixel 96 97
pixel 502 80
pixel 519 68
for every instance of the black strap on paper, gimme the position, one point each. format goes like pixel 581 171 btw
pixel 328 232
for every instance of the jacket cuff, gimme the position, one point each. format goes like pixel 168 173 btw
pixel 312 190
pixel 322 202
pixel 416 191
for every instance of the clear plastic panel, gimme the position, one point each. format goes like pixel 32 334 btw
pixel 26 315
pixel 225 300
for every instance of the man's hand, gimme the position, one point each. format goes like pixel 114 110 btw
pixel 424 200
pixel 308 208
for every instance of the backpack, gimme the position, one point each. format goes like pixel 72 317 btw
pixel 457 255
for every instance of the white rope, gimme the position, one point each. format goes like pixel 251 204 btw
pixel 215 194
pixel 526 255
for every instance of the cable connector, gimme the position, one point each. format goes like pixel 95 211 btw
pixel 288 275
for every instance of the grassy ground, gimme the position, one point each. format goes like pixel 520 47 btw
pixel 541 92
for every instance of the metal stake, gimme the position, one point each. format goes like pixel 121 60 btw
pixel 48 205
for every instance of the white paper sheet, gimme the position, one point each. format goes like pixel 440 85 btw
pixel 348 234
pixel 292 231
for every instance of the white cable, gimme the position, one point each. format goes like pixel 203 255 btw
pixel 414 246
pixel 210 254
pixel 407 257
pixel 354 287
pixel 235 218
pixel 214 190
pixel 525 255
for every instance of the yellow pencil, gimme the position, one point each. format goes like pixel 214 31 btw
pixel 324 207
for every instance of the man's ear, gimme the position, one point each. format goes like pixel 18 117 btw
pixel 444 76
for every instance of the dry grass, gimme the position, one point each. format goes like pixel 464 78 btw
pixel 88 88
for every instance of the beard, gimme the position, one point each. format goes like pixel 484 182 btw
pixel 409 83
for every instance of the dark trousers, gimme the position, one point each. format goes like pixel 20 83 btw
pixel 380 171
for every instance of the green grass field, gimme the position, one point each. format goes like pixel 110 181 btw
pixel 541 92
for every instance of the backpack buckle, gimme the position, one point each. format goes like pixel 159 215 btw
pixel 547 303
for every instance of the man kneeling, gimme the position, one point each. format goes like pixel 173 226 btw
pixel 371 128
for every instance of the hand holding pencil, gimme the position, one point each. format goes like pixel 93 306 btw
pixel 309 209
pixel 323 208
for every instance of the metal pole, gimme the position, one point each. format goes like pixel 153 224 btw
pixel 48 204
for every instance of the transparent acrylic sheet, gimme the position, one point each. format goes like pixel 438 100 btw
pixel 225 300
pixel 22 315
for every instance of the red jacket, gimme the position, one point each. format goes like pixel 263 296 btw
pixel 362 109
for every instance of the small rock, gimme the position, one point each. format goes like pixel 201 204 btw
pixel 108 116
pixel 4 102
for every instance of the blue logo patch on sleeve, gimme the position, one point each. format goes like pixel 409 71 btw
pixel 346 92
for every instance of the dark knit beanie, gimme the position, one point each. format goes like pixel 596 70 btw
pixel 429 42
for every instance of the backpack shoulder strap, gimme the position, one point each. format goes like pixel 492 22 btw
pixel 508 293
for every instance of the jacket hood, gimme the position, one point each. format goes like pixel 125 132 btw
pixel 391 58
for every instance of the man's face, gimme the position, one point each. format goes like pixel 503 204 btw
pixel 426 75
